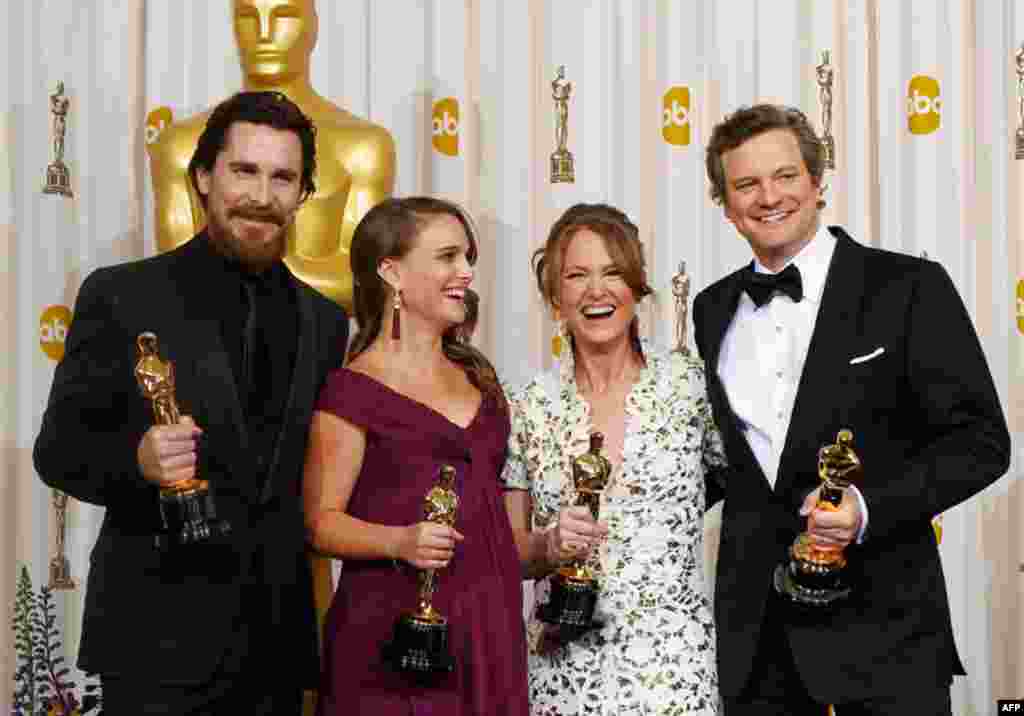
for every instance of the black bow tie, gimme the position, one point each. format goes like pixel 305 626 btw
pixel 762 286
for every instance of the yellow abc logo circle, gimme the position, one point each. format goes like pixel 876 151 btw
pixel 53 331
pixel 445 126
pixel 924 105
pixel 675 116
pixel 1020 306
pixel 156 122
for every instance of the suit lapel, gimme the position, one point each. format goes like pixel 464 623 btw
pixel 817 397
pixel 301 393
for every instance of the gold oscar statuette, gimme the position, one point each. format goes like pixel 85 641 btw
pixel 825 78
pixel 58 178
pixel 574 587
pixel 814 576
pixel 1019 134
pixel 419 646
pixel 60 568
pixel 681 294
pixel 186 506
pixel 562 166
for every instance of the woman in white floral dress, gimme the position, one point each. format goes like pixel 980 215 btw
pixel 655 650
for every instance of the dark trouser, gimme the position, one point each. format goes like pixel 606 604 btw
pixel 254 678
pixel 776 688
pixel 927 701
pixel 246 682
pixel 124 696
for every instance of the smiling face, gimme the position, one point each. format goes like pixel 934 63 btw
pixel 252 193
pixel 770 196
pixel 275 37
pixel 434 274
pixel 594 299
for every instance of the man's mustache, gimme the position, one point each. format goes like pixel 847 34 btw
pixel 257 214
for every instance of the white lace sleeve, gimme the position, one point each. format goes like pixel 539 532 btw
pixel 514 474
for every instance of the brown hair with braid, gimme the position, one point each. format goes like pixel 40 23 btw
pixel 389 230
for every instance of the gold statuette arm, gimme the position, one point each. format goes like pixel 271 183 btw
pixel 319 256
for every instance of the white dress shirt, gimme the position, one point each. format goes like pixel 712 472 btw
pixel 763 354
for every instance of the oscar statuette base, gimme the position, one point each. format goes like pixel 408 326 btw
pixel 189 516
pixel 60 573
pixel 419 647
pixel 563 170
pixel 812 579
pixel 58 180
pixel 570 606
pixel 828 145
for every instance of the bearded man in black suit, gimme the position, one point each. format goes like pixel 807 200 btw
pixel 226 625
pixel 817 334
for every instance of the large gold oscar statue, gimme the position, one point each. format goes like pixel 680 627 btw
pixel 355 158
pixel 355 167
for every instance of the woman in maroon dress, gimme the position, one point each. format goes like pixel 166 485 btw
pixel 414 397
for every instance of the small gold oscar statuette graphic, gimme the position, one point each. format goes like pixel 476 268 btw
pixel 681 294
pixel 574 588
pixel 419 646
pixel 186 506
pixel 815 577
pixel 60 568
pixel 58 178
pixel 825 78
pixel 1019 57
pixel 562 166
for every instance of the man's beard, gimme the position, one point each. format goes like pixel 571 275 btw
pixel 254 256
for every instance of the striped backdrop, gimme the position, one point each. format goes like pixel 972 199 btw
pixel 650 78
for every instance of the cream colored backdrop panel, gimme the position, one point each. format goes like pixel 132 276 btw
pixel 1003 537
pixel 650 78
pixel 340 69
pixel 52 242
pixel 509 174
pixel 400 82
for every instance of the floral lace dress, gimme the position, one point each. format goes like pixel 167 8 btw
pixel 655 653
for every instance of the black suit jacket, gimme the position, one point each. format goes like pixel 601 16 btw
pixel 174 616
pixel 929 429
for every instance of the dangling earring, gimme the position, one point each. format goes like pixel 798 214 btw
pixel 635 333
pixel 556 337
pixel 821 203
pixel 396 323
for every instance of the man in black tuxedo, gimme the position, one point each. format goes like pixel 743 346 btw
pixel 227 625
pixel 821 333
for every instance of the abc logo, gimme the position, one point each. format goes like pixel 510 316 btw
pixel 675 116
pixel 1020 306
pixel 156 122
pixel 53 329
pixel 924 106
pixel 445 129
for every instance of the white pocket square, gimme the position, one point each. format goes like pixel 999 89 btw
pixel 864 358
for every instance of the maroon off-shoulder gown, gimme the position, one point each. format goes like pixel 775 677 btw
pixel 479 592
